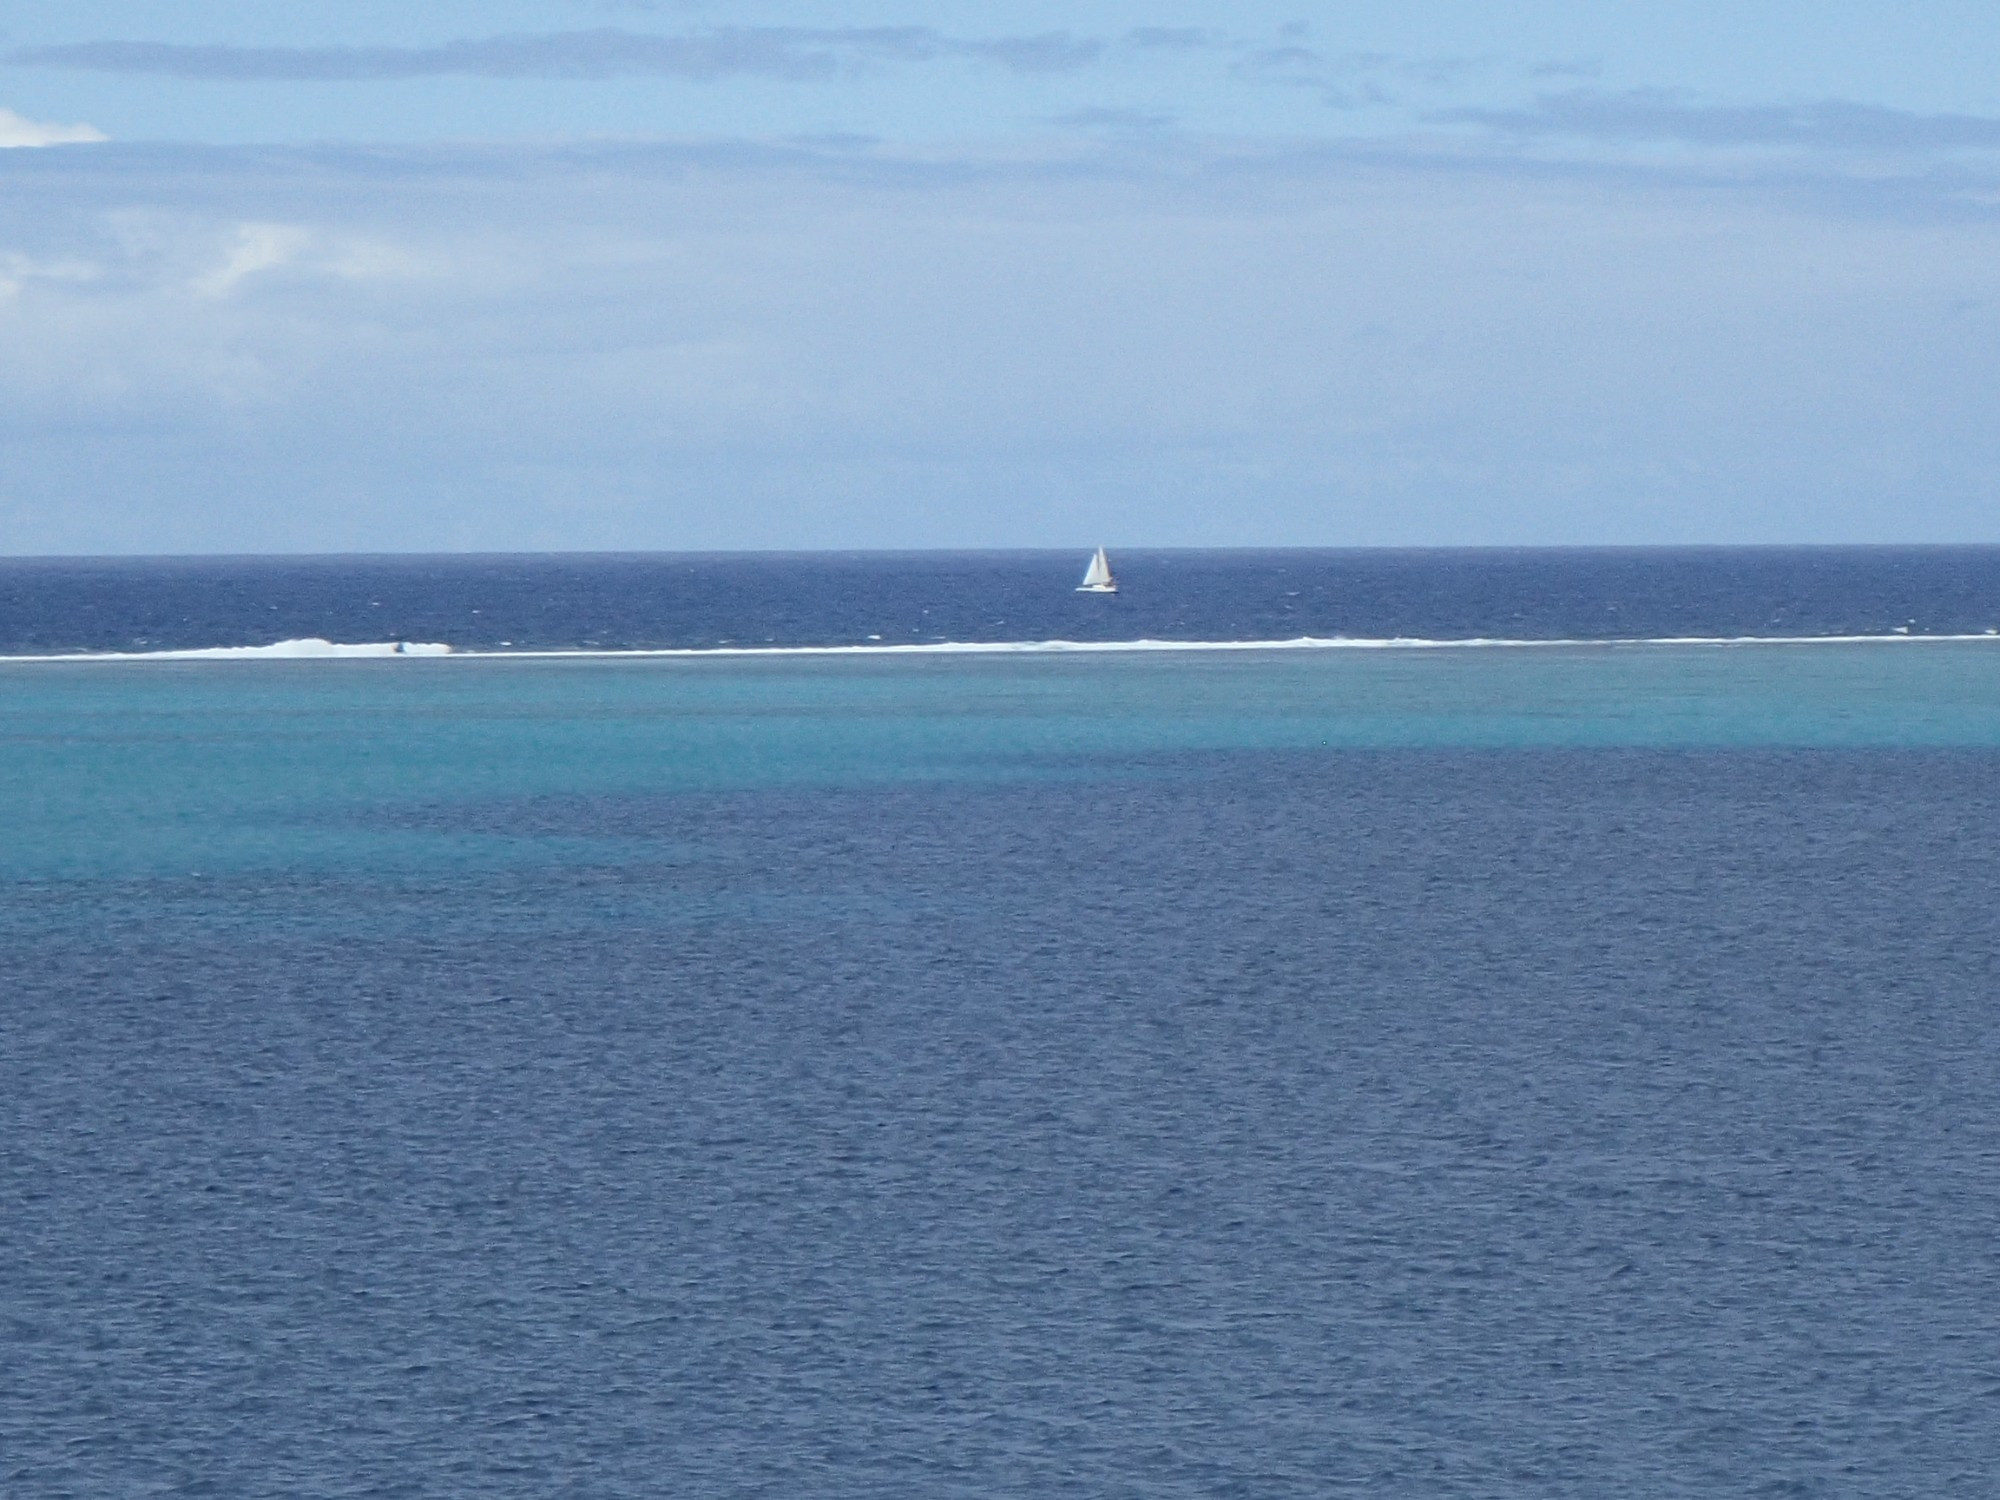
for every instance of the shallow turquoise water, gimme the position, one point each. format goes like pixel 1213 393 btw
pixel 169 768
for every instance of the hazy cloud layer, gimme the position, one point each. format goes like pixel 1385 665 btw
pixel 606 52
pixel 1175 38
pixel 643 346
pixel 16 130
pixel 1351 79
pixel 1113 117
pixel 1671 115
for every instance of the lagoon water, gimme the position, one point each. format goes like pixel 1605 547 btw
pixel 1486 1071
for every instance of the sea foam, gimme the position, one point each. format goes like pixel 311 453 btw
pixel 314 648
pixel 309 648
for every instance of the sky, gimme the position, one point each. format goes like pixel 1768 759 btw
pixel 646 274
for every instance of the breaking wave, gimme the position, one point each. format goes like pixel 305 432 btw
pixel 310 648
pixel 314 648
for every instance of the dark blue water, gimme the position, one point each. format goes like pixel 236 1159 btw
pixel 1500 1073
pixel 559 602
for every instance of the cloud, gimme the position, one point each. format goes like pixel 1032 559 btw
pixel 15 130
pixel 1677 116
pixel 1286 61
pixel 1112 118
pixel 253 248
pixel 634 344
pixel 787 52
pixel 1567 68
pixel 18 270
pixel 1174 38
pixel 1051 52
pixel 1353 79
pixel 158 252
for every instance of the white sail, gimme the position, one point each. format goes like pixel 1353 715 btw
pixel 1097 577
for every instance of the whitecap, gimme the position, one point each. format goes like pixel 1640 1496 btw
pixel 1295 643
pixel 316 648
pixel 308 648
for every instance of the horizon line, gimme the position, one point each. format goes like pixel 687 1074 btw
pixel 1047 550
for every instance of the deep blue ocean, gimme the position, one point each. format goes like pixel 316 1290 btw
pixel 1500 1071
pixel 654 601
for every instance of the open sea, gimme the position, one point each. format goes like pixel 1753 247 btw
pixel 1488 1024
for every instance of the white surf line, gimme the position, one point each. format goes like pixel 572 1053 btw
pixel 321 650
pixel 311 649
pixel 1298 643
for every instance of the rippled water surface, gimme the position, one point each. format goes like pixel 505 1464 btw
pixel 572 602
pixel 1493 1073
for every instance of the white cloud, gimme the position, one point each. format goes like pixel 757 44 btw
pixel 252 248
pixel 632 345
pixel 18 130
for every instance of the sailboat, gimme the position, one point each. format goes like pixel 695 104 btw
pixel 1097 577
